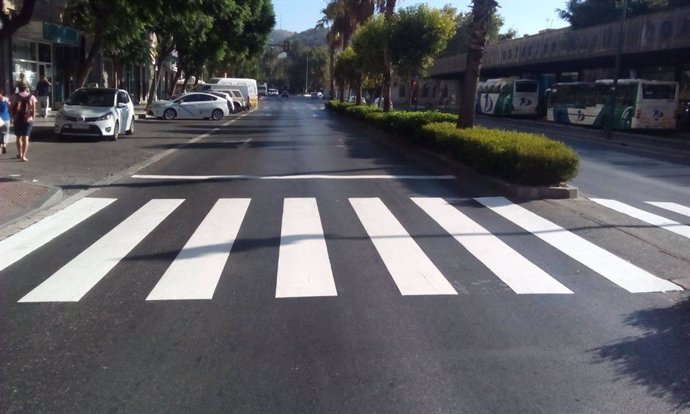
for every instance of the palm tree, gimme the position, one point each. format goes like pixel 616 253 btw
pixel 482 10
pixel 387 7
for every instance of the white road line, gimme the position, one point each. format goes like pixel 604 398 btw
pixel 293 177
pixel 76 278
pixel 676 208
pixel 304 269
pixel 623 273
pixel 411 269
pixel 31 238
pixel 642 215
pixel 195 272
pixel 511 267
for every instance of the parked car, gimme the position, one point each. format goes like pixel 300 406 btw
pixel 285 94
pixel 273 92
pixel 233 105
pixel 100 112
pixel 194 105
pixel 353 99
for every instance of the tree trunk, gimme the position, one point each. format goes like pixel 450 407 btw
pixel 9 26
pixel 388 62
pixel 481 16
pixel 164 52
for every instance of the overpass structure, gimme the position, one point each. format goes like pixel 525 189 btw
pixel 656 46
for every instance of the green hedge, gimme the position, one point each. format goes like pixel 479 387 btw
pixel 518 157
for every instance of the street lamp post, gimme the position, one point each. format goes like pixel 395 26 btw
pixel 306 76
pixel 608 127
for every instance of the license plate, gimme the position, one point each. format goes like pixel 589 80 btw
pixel 80 126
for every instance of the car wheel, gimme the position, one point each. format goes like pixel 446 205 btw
pixel 130 131
pixel 169 114
pixel 216 114
pixel 116 131
pixel 237 108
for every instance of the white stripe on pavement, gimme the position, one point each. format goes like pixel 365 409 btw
pixel 304 269
pixel 293 177
pixel 513 269
pixel 76 278
pixel 31 238
pixel 623 273
pixel 195 272
pixel 411 269
pixel 676 208
pixel 642 215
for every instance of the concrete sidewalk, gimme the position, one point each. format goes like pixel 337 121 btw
pixel 19 198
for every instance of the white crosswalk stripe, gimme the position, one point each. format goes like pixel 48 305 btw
pixel 196 270
pixel 304 266
pixel 31 238
pixel 675 207
pixel 645 216
pixel 411 269
pixel 615 269
pixel 76 278
pixel 512 268
pixel 304 269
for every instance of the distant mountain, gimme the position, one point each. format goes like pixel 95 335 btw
pixel 311 38
pixel 278 35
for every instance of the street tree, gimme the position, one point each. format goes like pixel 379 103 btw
pixel 370 43
pixel 387 7
pixel 347 71
pixel 421 33
pixel 11 22
pixel 459 43
pixel 482 10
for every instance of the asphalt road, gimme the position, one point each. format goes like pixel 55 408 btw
pixel 286 262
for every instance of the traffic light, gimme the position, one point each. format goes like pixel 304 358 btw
pixel 286 46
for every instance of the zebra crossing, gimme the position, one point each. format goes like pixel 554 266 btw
pixel 304 267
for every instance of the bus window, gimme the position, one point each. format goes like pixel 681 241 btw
pixel 525 87
pixel 658 91
pixel 627 94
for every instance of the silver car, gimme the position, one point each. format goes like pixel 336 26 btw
pixel 194 105
pixel 100 112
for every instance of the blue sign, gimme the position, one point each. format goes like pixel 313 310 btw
pixel 63 35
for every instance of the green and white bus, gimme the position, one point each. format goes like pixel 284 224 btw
pixel 507 97
pixel 640 104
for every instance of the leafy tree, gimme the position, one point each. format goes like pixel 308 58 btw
pixel 459 43
pixel 482 10
pixel 420 34
pixel 347 70
pixel 388 9
pixel 370 44
pixel 11 23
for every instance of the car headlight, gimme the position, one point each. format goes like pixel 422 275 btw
pixel 105 117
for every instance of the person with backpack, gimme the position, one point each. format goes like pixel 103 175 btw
pixel 4 121
pixel 23 110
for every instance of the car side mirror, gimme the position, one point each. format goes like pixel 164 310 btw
pixel 121 105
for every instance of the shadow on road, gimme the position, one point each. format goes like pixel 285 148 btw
pixel 658 360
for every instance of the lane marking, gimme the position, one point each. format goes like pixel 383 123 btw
pixel 411 269
pixel 623 273
pixel 674 207
pixel 31 238
pixel 293 177
pixel 521 275
pixel 195 272
pixel 76 278
pixel 642 215
pixel 304 269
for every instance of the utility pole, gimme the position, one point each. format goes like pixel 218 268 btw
pixel 306 76
pixel 608 128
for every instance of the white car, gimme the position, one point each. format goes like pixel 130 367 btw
pixel 194 105
pixel 233 105
pixel 102 112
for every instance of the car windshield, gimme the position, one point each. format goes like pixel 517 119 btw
pixel 92 98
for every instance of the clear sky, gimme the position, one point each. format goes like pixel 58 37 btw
pixel 525 16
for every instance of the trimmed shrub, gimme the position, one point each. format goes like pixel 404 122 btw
pixel 518 157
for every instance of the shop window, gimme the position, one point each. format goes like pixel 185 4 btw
pixel 22 50
pixel 44 53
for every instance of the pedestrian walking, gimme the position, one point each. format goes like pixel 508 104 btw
pixel 22 111
pixel 43 93
pixel 4 121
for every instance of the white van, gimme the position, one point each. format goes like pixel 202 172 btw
pixel 239 93
pixel 250 84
